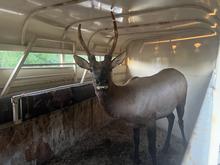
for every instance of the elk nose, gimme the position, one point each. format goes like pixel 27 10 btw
pixel 101 82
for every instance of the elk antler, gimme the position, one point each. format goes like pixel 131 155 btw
pixel 116 35
pixel 90 56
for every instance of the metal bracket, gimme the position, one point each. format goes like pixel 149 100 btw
pixel 15 106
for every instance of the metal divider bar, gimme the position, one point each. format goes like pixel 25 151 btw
pixel 18 67
pixel 42 76
pixel 83 76
pixel 29 65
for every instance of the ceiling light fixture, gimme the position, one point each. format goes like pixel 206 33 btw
pixel 197 45
pixel 214 26
pixel 213 13
pixel 174 48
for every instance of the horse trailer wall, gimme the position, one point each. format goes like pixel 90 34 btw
pixel 59 76
pixel 196 64
pixel 38 139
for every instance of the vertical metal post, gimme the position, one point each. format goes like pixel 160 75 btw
pixel 83 76
pixel 62 59
pixel 75 72
pixel 17 68
pixel 15 104
pixel 74 66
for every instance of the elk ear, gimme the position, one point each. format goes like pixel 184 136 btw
pixel 118 60
pixel 81 62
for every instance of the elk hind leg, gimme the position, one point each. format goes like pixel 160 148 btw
pixel 151 134
pixel 180 113
pixel 170 118
pixel 136 138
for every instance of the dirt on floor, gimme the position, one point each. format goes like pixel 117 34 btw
pixel 112 145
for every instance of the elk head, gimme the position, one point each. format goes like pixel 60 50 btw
pixel 101 71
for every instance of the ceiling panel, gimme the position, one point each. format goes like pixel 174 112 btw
pixel 50 23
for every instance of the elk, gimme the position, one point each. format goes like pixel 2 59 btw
pixel 142 100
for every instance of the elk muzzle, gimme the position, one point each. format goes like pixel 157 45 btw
pixel 102 87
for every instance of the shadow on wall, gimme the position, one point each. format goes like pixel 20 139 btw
pixel 196 64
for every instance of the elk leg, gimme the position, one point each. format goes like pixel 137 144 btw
pixel 151 134
pixel 180 113
pixel 170 118
pixel 136 137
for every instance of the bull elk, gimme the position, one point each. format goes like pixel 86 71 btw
pixel 142 100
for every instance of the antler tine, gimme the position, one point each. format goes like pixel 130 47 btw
pixel 116 35
pixel 83 43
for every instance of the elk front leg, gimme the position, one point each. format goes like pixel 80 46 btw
pixel 136 138
pixel 151 134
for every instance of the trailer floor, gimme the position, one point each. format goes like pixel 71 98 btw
pixel 112 145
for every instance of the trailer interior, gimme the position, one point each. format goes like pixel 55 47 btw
pixel 49 113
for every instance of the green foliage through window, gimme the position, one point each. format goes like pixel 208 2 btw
pixel 9 59
pixel 42 58
pixel 68 58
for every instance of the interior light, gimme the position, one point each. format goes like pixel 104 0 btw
pixel 10 11
pixel 197 45
pixel 214 26
pixel 213 13
pixel 174 48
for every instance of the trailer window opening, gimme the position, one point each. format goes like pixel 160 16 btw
pixel 9 59
pixel 98 58
pixel 68 58
pixel 42 58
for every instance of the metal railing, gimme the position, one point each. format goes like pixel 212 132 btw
pixel 21 64
pixel 17 104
